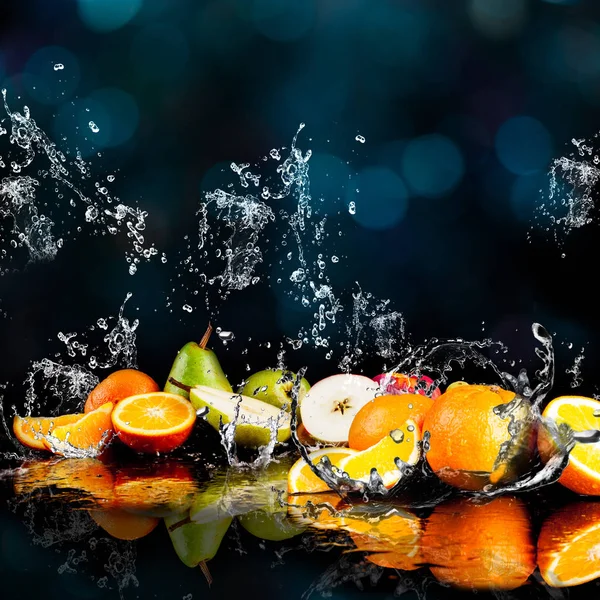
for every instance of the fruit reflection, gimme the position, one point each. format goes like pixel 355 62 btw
pixel 157 490
pixel 83 476
pixel 480 546
pixel 123 525
pixel 569 545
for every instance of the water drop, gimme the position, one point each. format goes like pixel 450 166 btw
pixel 226 336
pixel 59 67
pixel 360 138
pixel 335 259
pixel 352 207
pixel 397 435
pixel 187 308
pixel 93 127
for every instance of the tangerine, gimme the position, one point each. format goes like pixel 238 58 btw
pixel 118 385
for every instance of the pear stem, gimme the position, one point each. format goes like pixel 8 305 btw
pixel 204 568
pixel 206 336
pixel 185 521
pixel 180 385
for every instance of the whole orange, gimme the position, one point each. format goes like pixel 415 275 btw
pixel 480 546
pixel 479 435
pixel 383 414
pixel 118 385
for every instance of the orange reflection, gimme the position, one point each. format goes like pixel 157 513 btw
pixel 155 490
pixel 80 477
pixel 480 546
pixel 569 545
pixel 123 525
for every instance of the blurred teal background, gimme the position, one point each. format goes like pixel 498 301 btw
pixel 463 105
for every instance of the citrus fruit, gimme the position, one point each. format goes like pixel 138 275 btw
pixel 479 435
pixel 157 490
pixel 392 541
pixel 123 525
pixel 30 431
pixel 118 385
pixel 86 476
pixel 582 473
pixel 301 478
pixel 400 443
pixel 480 546
pixel 315 510
pixel 155 422
pixel 569 545
pixel 379 416
pixel 87 436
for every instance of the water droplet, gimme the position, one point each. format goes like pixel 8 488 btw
pixel 187 308
pixel 59 67
pixel 226 336
pixel 110 178
pixel 397 435
pixel 360 138
pixel 335 259
pixel 352 207
pixel 410 428
pixel 93 127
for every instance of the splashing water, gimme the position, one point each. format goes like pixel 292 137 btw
pixel 40 235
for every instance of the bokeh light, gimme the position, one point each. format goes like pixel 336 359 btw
pixel 523 145
pixel 282 20
pixel 220 30
pixel 160 53
pixel 382 199
pixel 107 15
pixel 498 18
pixel 432 165
pixel 52 75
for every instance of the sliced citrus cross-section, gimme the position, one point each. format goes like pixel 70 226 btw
pixel 302 479
pixel 568 546
pixel 401 444
pixel 582 473
pixel 86 437
pixel 31 431
pixel 155 422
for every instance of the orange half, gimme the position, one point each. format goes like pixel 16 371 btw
pixel 401 443
pixel 155 422
pixel 31 431
pixel 85 437
pixel 301 478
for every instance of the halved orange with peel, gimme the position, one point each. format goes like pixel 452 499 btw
pixel 402 443
pixel 31 431
pixel 123 525
pixel 85 437
pixel 154 422
pixel 301 478
pixel 582 473
pixel 568 547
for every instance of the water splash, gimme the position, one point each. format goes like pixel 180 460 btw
pixel 28 222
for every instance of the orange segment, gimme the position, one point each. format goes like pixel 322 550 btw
pixel 569 545
pixel 85 437
pixel 155 422
pixel 401 443
pixel 123 525
pixel 378 417
pixel 30 431
pixel 301 478
pixel 582 474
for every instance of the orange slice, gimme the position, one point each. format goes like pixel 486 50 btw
pixel 301 478
pixel 85 437
pixel 569 545
pixel 31 431
pixel 155 422
pixel 401 443
pixel 582 474
pixel 123 525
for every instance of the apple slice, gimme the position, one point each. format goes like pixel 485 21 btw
pixel 255 418
pixel 331 404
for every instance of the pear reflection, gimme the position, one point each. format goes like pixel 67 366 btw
pixel 569 545
pixel 480 545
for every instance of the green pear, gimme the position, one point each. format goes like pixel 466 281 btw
pixel 195 364
pixel 196 543
pixel 254 418
pixel 274 386
pixel 272 525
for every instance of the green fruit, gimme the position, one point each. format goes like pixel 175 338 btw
pixel 255 418
pixel 274 386
pixel 195 543
pixel 272 525
pixel 196 365
pixel 233 492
